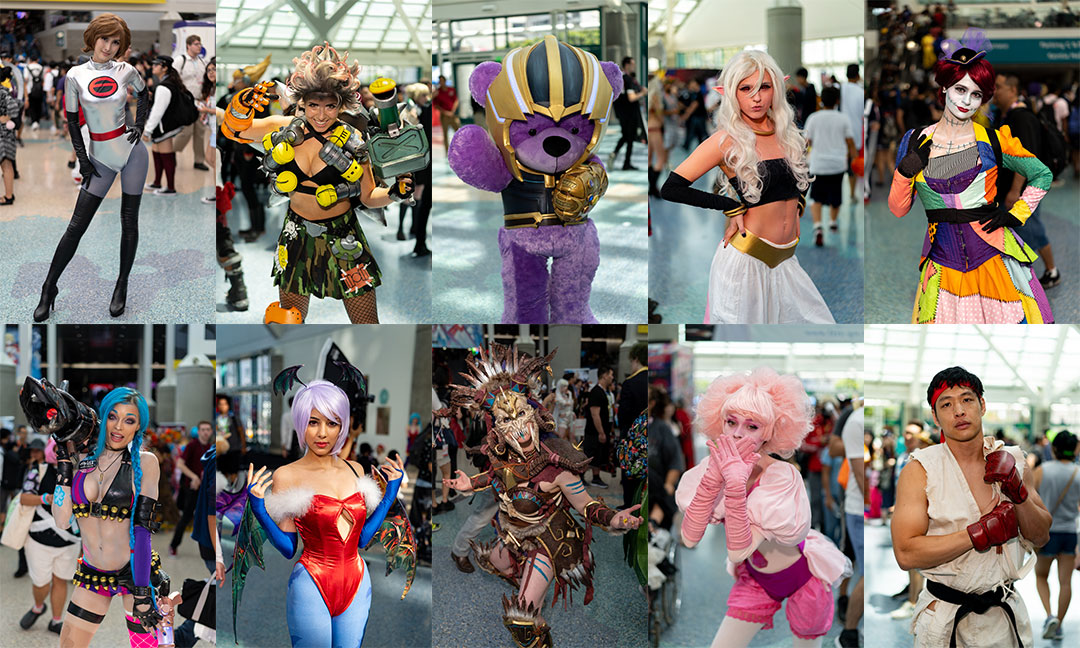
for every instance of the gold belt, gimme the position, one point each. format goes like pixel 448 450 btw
pixel 761 250
pixel 536 219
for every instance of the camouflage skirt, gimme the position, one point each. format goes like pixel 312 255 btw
pixel 328 258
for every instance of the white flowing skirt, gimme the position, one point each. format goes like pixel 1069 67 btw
pixel 745 290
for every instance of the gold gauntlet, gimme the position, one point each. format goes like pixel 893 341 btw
pixel 578 190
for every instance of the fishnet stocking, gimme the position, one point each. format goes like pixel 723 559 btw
pixel 362 309
pixel 292 300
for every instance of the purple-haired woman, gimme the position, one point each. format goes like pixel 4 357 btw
pixel 336 510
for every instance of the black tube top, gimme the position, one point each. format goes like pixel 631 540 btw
pixel 777 183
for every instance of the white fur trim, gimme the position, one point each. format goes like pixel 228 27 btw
pixel 371 491
pixel 292 503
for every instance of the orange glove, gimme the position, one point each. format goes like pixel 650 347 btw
pixel 241 111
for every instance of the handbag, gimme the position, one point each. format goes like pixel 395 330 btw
pixel 17 527
pixel 198 601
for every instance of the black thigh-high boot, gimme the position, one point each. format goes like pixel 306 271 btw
pixel 654 175
pixel 129 241
pixel 85 207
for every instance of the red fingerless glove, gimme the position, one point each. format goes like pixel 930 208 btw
pixel 995 528
pixel 1001 467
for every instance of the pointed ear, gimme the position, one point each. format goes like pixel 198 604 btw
pixel 614 77
pixel 481 78
pixel 719 89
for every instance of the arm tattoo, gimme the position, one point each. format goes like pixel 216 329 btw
pixel 58 496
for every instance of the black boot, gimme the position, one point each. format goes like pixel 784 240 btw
pixel 237 298
pixel 129 241
pixel 85 207
pixel 654 175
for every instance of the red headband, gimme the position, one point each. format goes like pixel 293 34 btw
pixel 943 387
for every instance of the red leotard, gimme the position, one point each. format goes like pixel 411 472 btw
pixel 334 564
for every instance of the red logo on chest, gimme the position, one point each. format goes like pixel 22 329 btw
pixel 102 86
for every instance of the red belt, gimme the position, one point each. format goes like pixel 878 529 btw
pixel 101 137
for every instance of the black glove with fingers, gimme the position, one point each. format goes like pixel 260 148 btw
pixel 916 158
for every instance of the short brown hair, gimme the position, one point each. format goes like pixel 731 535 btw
pixel 104 26
pixel 194 37
pixel 202 423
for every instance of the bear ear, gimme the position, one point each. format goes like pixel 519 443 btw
pixel 481 78
pixel 614 77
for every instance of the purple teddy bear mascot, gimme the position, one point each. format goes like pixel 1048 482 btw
pixel 544 123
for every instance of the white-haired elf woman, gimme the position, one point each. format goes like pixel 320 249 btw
pixel 755 277
pixel 336 509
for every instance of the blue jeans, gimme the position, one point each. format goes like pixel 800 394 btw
pixel 855 532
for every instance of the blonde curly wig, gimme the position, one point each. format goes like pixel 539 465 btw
pixel 322 71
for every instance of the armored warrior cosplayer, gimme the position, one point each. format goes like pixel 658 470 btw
pixel 328 168
pixel 755 277
pixel 752 420
pixel 536 484
pixel 335 509
pixel 98 89
pixel 110 487
pixel 546 107
pixel 966 515
pixel 975 268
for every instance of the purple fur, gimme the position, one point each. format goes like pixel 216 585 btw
pixel 481 78
pixel 477 161
pixel 528 291
pixel 531 139
pixel 614 77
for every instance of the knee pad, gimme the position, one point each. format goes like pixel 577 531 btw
pixel 275 314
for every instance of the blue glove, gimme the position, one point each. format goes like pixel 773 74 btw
pixel 282 541
pixel 375 519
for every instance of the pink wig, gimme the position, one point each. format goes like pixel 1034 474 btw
pixel 326 398
pixel 778 402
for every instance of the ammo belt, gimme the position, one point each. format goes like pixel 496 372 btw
pixel 89 577
pixel 770 255
pixel 973 603
pixel 103 511
pixel 337 226
pixel 948 215
pixel 515 221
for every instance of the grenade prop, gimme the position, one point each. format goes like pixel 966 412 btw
pixel 395 147
pixel 335 156
pixel 280 146
pixel 327 195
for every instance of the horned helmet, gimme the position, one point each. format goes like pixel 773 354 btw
pixel 501 386
pixel 549 78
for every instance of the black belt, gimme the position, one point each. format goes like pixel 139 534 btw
pixel 972 603
pixel 948 215
pixel 101 510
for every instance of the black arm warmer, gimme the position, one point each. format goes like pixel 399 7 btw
pixel 677 189
pixel 65 473
pixel 144 513
pixel 77 142
pixel 142 110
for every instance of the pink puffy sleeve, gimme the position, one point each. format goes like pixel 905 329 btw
pixel 688 487
pixel 778 508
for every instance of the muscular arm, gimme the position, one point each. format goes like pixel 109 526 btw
pixel 573 489
pixel 912 547
pixel 594 412
pixel 1032 515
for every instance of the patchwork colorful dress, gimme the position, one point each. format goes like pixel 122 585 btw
pixel 967 275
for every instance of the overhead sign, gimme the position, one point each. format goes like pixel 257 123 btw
pixel 1035 50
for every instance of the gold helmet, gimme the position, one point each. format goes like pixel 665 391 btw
pixel 549 78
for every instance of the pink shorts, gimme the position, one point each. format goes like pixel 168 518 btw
pixel 809 609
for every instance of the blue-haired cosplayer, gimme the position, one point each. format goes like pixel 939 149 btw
pixel 107 486
pixel 329 591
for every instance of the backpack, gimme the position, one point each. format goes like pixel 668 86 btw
pixel 181 111
pixel 37 87
pixel 1053 151
pixel 633 449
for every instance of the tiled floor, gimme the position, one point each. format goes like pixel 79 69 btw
pixel 172 279
pixel 893 246
pixel 684 240
pixel 467 282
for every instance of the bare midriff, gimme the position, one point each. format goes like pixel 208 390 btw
pixel 777 222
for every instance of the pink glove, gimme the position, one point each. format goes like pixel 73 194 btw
pixel 736 470
pixel 697 516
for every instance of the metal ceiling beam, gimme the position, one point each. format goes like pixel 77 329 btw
pixel 249 21
pixel 1008 363
pixel 253 53
pixel 318 25
pixel 422 48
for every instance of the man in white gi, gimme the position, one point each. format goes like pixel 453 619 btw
pixel 966 517
pixel 192 67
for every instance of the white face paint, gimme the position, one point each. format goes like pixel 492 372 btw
pixel 963 99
